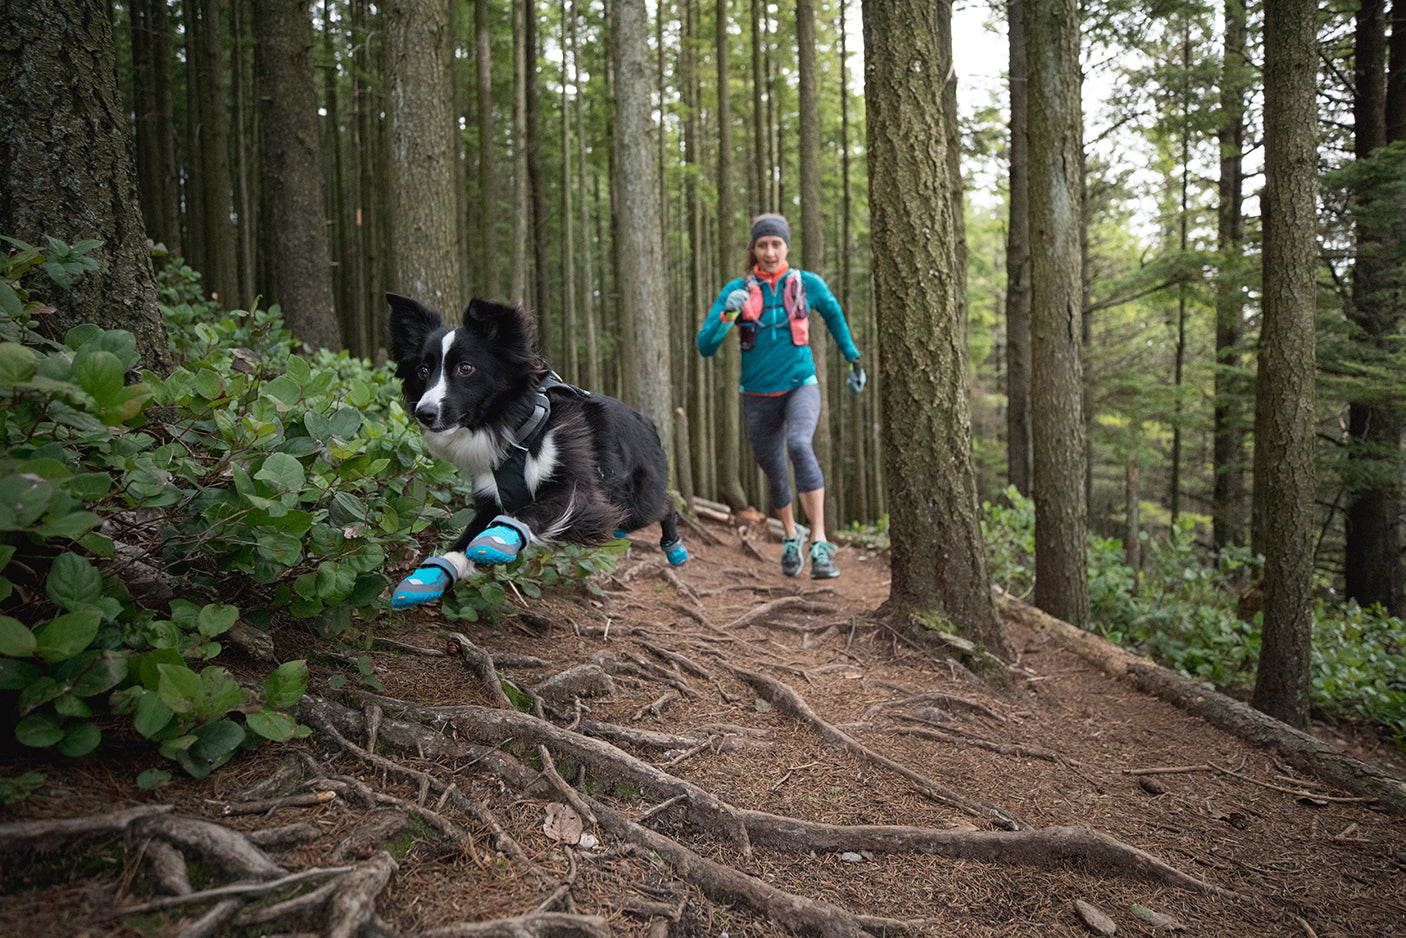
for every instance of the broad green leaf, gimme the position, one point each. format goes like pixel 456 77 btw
pixel 6 552
pixel 90 486
pixel 39 730
pixel 73 582
pixel 67 635
pixel 10 303
pixel 23 501
pixel 344 423
pixel 283 472
pixel 298 370
pixel 100 374
pixel 281 548
pixel 273 725
pixel 16 674
pixel 180 688
pixel 69 705
pixel 217 740
pixel 153 778
pixel 107 670
pixel 284 390
pixel 71 525
pixel 17 362
pixel 80 739
pixel 222 692
pixel 286 685
pixel 216 619
pixel 152 715
pixel 16 640
pixel 208 384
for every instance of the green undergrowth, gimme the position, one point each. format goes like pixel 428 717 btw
pixel 143 517
pixel 1181 610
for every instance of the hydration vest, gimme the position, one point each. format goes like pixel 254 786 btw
pixel 793 298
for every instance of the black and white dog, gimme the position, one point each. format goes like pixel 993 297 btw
pixel 549 462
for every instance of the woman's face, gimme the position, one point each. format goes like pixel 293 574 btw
pixel 771 253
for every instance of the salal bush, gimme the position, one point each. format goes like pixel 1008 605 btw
pixel 144 517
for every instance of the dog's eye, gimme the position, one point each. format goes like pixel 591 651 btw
pixel 463 369
pixel 423 372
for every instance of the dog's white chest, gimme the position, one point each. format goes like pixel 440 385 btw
pixel 478 454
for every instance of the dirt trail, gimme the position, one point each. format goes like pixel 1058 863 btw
pixel 751 756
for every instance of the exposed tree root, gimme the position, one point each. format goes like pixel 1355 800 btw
pixel 54 835
pixel 784 697
pixel 792 604
pixel 1047 847
pixel 536 925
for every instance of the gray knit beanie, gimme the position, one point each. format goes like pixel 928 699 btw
pixel 771 224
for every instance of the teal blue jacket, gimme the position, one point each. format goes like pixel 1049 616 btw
pixel 775 364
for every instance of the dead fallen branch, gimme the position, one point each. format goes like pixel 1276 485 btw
pixel 225 892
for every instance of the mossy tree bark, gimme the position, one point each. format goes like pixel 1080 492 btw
pixel 939 565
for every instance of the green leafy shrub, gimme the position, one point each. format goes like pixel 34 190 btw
pixel 257 483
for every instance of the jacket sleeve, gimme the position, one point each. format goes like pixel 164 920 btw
pixel 820 299
pixel 714 328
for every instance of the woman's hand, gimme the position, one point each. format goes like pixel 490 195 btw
pixel 856 379
pixel 735 301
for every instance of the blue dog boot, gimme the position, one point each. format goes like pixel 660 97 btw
pixel 621 534
pixel 500 542
pixel 675 551
pixel 427 583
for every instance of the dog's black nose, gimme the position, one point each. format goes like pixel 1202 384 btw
pixel 427 414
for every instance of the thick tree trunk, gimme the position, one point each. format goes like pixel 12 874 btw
pixel 1284 398
pixel 66 166
pixel 291 172
pixel 1055 131
pixel 486 277
pixel 938 565
pixel 423 174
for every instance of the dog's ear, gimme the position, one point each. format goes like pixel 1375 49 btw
pixel 410 323
pixel 490 319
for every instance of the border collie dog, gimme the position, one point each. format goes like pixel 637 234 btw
pixel 549 462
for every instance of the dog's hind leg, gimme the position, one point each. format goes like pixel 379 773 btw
pixel 671 544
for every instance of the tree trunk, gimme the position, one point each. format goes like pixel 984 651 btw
pixel 291 171
pixel 522 205
pixel 215 181
pixel 66 166
pixel 939 569
pixel 728 374
pixel 423 174
pixel 1372 550
pixel 1228 494
pixel 1055 130
pixel 812 229
pixel 536 181
pixel 155 123
pixel 638 244
pixel 1284 394
pixel 486 277
pixel 1019 453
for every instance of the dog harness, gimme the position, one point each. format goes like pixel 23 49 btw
pixel 511 474
pixel 793 298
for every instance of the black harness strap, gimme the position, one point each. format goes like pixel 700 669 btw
pixel 511 474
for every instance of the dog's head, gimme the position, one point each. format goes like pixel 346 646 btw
pixel 466 377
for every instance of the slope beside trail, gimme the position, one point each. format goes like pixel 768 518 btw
pixel 714 749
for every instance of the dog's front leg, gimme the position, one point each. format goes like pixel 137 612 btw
pixel 435 576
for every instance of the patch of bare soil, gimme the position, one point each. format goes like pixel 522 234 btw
pixel 710 750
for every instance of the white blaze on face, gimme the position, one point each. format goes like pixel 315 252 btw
pixel 434 395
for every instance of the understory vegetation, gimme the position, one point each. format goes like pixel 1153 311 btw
pixel 252 484
pixel 1199 614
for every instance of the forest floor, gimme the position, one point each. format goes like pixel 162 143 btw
pixel 694 712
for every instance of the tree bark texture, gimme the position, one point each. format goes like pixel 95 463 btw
pixel 221 270
pixel 423 171
pixel 1228 508
pixel 729 371
pixel 938 563
pixel 66 166
pixel 291 171
pixel 639 245
pixel 1056 393
pixel 1284 394
pixel 1019 456
pixel 1373 572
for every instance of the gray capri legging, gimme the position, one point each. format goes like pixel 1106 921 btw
pixel 782 424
